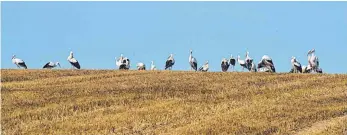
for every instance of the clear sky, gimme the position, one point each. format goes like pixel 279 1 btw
pixel 96 32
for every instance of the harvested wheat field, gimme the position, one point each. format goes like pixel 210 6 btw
pixel 171 102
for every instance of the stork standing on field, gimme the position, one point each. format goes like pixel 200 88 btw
pixel 266 64
pixel 204 68
pixel 232 62
pixel 73 61
pixel 248 61
pixel 169 62
pixel 141 66
pixel 313 60
pixel 241 62
pixel 153 67
pixel 193 62
pixel 119 60
pixel 296 65
pixel 224 65
pixel 18 62
pixel 51 65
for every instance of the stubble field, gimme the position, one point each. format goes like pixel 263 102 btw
pixel 171 102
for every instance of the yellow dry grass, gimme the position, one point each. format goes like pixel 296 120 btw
pixel 171 102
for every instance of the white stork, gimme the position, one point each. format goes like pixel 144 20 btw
pixel 296 66
pixel 51 65
pixel 73 61
pixel 122 62
pixel 248 61
pixel 241 62
pixel 232 62
pixel 224 65
pixel 141 66
pixel 204 68
pixel 313 60
pixel 266 64
pixel 153 67
pixel 169 62
pixel 18 62
pixel 193 62
pixel 119 60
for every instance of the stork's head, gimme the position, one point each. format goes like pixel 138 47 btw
pixel 57 63
pixel 293 58
pixel 121 55
pixel 152 62
pixel 309 52
pixel 231 56
pixel 13 56
pixel 206 62
pixel 191 51
pixel 171 55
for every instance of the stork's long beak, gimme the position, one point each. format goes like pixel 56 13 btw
pixel 59 65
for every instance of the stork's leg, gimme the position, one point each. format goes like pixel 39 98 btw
pixel 18 66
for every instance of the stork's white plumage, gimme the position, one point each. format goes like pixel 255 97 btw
pixel 153 67
pixel 306 69
pixel 232 62
pixel 169 62
pixel 73 61
pixel 51 65
pixel 296 66
pixel 141 66
pixel 18 62
pixel 224 65
pixel 204 68
pixel 193 62
pixel 241 62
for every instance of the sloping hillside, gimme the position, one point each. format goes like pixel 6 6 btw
pixel 171 102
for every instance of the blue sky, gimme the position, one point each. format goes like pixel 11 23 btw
pixel 96 32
